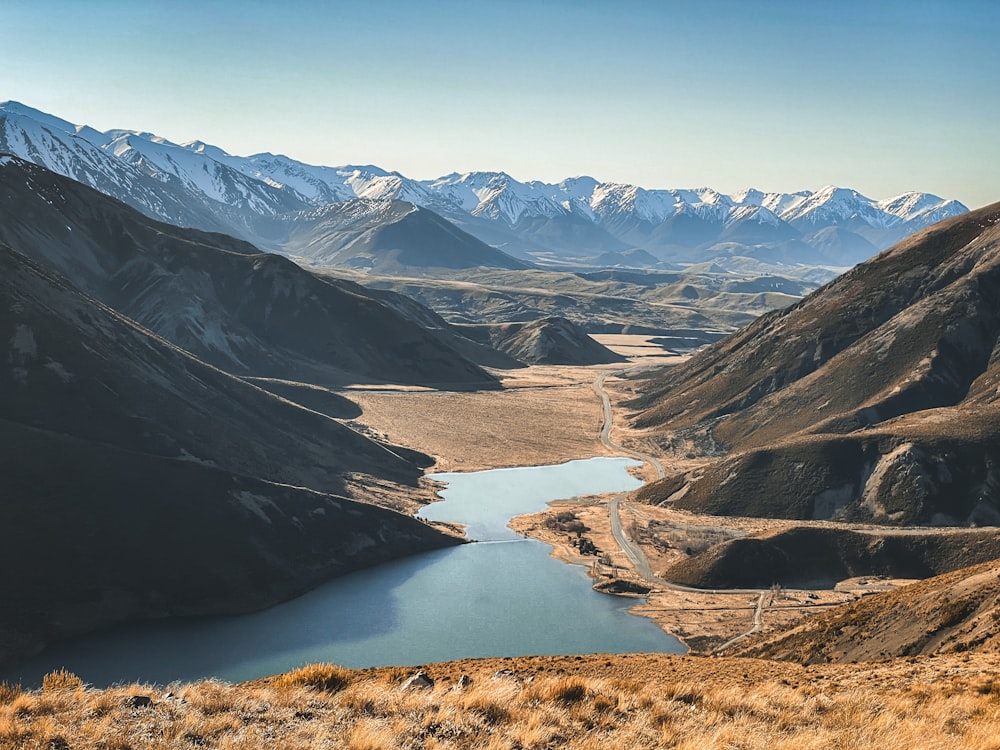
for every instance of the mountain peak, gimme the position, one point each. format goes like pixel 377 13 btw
pixel 832 192
pixel 200 147
pixel 17 109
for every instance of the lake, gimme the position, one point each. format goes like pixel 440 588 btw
pixel 505 596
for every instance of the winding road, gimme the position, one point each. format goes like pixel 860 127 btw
pixel 632 550
pixel 638 558
pixel 606 429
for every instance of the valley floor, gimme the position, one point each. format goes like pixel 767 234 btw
pixel 545 415
pixel 551 414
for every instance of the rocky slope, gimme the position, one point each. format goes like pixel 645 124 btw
pixel 873 398
pixel 139 481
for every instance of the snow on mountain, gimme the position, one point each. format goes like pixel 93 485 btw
pixel 834 205
pixel 53 123
pixel 497 196
pixel 460 188
pixel 198 184
pixel 920 209
pixel 377 184
pixel 52 143
pixel 934 214
pixel 200 173
pixel 653 206
pixel 72 152
pixel 318 185
pixel 505 198
pixel 748 197
pixel 754 214
pixel 776 203
pixel 573 194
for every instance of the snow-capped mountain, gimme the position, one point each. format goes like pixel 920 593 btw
pixel 497 196
pixel 199 173
pixel 77 153
pixel 201 185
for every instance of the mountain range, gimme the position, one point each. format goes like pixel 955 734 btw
pixel 272 201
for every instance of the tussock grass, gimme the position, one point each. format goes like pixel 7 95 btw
pixel 671 702
pixel 328 678
pixel 9 692
pixel 60 680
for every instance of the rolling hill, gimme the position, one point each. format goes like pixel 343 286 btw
pixel 385 236
pixel 549 341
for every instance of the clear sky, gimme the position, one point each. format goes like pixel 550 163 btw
pixel 881 95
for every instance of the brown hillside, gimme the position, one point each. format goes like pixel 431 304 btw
pixel 549 341
pixel 959 611
pixel 871 305
pixel 593 702
pixel 811 557
pixel 875 398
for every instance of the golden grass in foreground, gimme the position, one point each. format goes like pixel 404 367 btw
pixel 540 702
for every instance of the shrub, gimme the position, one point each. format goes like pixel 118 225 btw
pixel 952 613
pixel 566 690
pixel 492 712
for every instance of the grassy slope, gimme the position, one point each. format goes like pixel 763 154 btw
pixel 587 702
pixel 956 612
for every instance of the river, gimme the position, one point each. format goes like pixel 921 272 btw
pixel 503 596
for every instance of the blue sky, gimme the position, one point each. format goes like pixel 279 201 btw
pixel 882 96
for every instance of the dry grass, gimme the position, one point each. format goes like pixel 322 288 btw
pixel 589 703
pixel 558 403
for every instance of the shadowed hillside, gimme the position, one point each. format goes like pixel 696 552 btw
pixel 550 341
pixel 141 482
pixel 220 299
pixel 386 236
